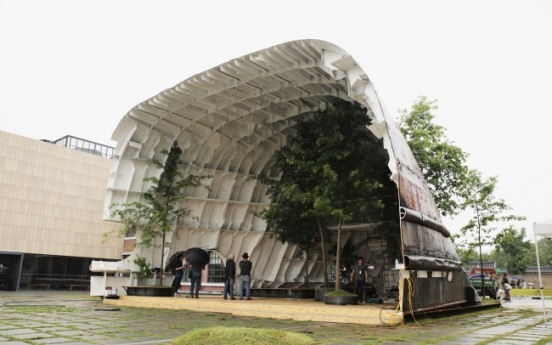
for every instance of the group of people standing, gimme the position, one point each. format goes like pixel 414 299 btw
pixel 245 266
pixel 245 277
pixel 520 284
pixel 359 274
pixel 195 277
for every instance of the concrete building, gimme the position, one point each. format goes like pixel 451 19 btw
pixel 51 205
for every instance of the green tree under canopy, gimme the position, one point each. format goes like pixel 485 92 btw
pixel 162 210
pixel 331 170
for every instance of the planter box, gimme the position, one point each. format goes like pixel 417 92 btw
pixel 283 293
pixel 319 294
pixel 341 300
pixel 148 290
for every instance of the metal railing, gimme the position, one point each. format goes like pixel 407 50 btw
pixel 85 146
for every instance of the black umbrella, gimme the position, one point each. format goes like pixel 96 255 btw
pixel 172 260
pixel 197 257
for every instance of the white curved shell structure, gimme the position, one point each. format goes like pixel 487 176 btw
pixel 229 121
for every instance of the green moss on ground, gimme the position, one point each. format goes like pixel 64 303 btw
pixel 242 336
pixel 339 293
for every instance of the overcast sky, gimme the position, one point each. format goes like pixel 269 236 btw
pixel 76 67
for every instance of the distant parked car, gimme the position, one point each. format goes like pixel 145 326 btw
pixel 478 275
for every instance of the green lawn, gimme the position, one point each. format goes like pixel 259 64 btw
pixel 530 292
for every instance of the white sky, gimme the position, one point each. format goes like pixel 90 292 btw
pixel 76 67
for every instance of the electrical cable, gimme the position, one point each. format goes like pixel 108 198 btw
pixel 386 306
pixel 410 295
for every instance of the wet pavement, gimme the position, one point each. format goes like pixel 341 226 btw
pixel 54 317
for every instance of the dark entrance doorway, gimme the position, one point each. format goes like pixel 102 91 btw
pixel 11 264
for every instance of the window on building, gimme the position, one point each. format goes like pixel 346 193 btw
pixel 130 233
pixel 216 268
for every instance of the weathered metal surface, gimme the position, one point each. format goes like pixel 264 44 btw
pixel 425 241
pixel 433 293
pixel 409 215
pixel 413 190
pixel 426 249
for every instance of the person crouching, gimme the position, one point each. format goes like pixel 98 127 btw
pixel 507 288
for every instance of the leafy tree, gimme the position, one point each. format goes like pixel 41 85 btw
pixel 162 210
pixel 466 255
pixel 516 247
pixel 545 252
pixel 487 211
pixel 442 162
pixel 499 256
pixel 330 170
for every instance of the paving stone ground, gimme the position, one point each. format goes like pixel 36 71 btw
pixel 73 318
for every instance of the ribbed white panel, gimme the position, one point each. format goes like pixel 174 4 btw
pixel 229 121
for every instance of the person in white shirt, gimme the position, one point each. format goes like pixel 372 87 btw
pixel 506 287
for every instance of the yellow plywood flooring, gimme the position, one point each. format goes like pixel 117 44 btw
pixel 277 308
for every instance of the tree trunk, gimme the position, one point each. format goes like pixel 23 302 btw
pixel 322 243
pixel 338 257
pixel 162 258
pixel 480 255
pixel 307 267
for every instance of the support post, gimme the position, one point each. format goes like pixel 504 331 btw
pixel 540 278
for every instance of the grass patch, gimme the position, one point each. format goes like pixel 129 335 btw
pixel 41 309
pixel 338 293
pixel 544 341
pixel 242 336
pixel 530 292
pixel 452 316
pixel 489 301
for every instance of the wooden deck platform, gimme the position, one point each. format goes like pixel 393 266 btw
pixel 277 308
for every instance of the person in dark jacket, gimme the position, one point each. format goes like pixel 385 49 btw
pixel 245 276
pixel 360 275
pixel 229 272
pixel 178 271
pixel 196 280
pixel 504 279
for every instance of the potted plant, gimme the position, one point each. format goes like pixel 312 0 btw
pixel 320 292
pixel 340 297
pixel 144 269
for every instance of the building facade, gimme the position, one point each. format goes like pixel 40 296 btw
pixel 51 211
